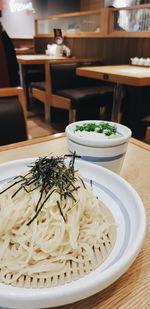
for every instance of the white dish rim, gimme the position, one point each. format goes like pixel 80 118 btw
pixel 92 286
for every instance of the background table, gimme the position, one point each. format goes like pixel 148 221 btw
pixel 38 59
pixel 132 290
pixel 120 75
pixel 27 60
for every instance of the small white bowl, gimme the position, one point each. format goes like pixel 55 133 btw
pixel 134 60
pixel 108 153
pixel 147 62
pixel 141 61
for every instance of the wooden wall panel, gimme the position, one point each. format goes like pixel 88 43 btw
pixel 111 50
pixel 40 44
pixel 86 5
pixel 21 43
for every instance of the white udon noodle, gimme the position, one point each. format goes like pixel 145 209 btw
pixel 43 248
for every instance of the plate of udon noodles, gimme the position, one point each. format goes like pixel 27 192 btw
pixel 68 229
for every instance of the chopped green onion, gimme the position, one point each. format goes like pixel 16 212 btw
pixel 102 127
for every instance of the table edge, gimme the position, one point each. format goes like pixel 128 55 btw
pixel 34 141
pixel 135 80
pixel 139 143
pixel 55 136
pixel 55 60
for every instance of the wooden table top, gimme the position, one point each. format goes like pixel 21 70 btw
pixel 131 290
pixel 37 59
pixel 123 74
pixel 42 59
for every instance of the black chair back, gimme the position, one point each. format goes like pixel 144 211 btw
pixel 63 76
pixel 12 122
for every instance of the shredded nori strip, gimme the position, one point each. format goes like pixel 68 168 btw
pixel 50 175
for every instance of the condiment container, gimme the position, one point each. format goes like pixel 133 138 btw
pixel 108 152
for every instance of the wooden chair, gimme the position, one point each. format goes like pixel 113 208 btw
pixel 13 119
pixel 63 89
pixel 31 73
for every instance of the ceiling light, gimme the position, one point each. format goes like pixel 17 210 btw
pixel 18 6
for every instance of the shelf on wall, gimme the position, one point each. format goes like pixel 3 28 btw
pixel 106 22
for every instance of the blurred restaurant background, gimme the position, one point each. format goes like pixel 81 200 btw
pixel 43 43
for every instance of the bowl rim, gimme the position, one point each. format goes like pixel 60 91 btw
pixel 76 290
pixel 98 143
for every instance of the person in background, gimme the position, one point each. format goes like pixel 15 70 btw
pixel 4 78
pixel 10 59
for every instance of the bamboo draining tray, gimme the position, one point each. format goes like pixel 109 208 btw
pixel 74 270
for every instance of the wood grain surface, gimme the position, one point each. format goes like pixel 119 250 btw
pixel 123 74
pixel 111 50
pixel 131 290
pixel 43 58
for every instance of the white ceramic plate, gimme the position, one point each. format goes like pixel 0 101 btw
pixel 128 211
